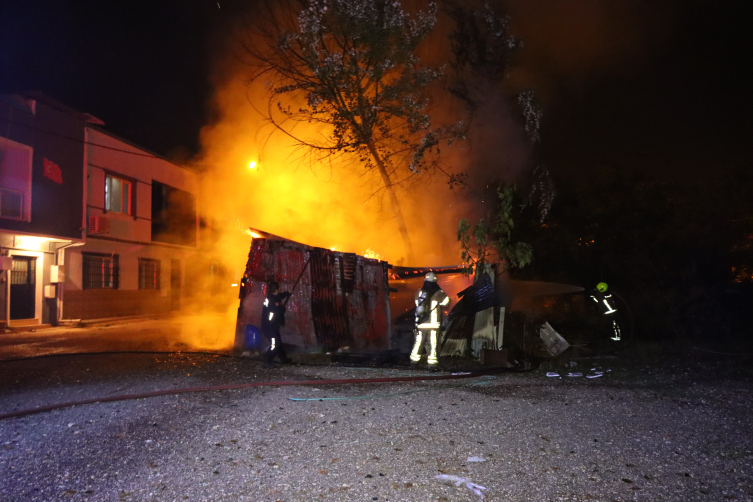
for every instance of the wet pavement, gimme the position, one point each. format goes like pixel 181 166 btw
pixel 213 333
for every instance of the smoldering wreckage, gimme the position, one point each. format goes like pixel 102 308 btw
pixel 362 310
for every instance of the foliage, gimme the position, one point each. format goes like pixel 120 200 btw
pixel 352 68
pixel 494 242
pixel 483 49
pixel 355 64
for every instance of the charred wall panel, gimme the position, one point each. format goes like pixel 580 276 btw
pixel 378 304
pixel 281 262
pixel 341 299
pixel 359 325
pixel 372 299
pixel 289 266
pixel 255 267
pixel 327 305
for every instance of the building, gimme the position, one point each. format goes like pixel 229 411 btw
pixel 42 198
pixel 92 226
pixel 142 230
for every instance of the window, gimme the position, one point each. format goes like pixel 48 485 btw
pixel 149 273
pixel 118 193
pixel 173 215
pixel 100 271
pixel 15 180
pixel 11 204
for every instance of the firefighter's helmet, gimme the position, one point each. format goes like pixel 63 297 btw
pixel 431 277
pixel 602 287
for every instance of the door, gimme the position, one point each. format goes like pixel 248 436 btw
pixel 23 287
pixel 175 284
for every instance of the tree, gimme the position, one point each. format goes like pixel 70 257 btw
pixel 499 241
pixel 482 47
pixel 351 67
pixel 493 240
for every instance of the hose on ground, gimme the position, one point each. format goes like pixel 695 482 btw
pixel 125 397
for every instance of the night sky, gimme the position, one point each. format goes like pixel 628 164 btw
pixel 661 86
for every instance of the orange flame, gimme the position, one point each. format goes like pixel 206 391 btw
pixel 312 204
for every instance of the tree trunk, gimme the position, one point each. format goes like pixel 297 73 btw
pixel 411 258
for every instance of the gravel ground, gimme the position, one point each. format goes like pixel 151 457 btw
pixel 664 430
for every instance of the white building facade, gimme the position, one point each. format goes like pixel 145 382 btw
pixel 91 226
pixel 142 232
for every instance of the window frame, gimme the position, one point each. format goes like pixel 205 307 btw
pixel 123 182
pixel 171 222
pixel 20 184
pixel 109 279
pixel 155 283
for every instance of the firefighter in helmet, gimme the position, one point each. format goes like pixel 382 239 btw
pixel 429 302
pixel 607 307
pixel 272 317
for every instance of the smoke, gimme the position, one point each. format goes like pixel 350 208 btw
pixel 332 205
pixel 336 204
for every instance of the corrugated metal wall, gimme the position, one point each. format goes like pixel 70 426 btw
pixel 342 299
pixel 327 301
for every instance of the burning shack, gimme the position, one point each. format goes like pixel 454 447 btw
pixel 338 299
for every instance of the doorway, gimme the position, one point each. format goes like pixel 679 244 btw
pixel 23 287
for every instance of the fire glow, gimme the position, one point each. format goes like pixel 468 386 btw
pixel 321 203
pixel 312 204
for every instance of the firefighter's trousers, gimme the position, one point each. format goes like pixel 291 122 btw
pixel 275 350
pixel 422 335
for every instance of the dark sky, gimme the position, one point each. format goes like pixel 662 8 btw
pixel 677 99
pixel 660 85
pixel 142 67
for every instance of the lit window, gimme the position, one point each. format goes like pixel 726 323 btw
pixel 100 271
pixel 149 273
pixel 118 194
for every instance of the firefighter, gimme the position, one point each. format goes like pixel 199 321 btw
pixel 272 317
pixel 607 307
pixel 429 302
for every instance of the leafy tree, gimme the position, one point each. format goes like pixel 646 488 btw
pixel 487 242
pixel 482 50
pixel 352 67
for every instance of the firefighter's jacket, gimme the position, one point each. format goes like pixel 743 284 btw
pixel 605 302
pixel 429 302
pixel 273 314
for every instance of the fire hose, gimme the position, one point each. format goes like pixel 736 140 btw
pixel 186 390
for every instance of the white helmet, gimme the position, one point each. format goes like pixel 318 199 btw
pixel 431 277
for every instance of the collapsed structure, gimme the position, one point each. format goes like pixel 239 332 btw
pixel 338 299
pixel 346 301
